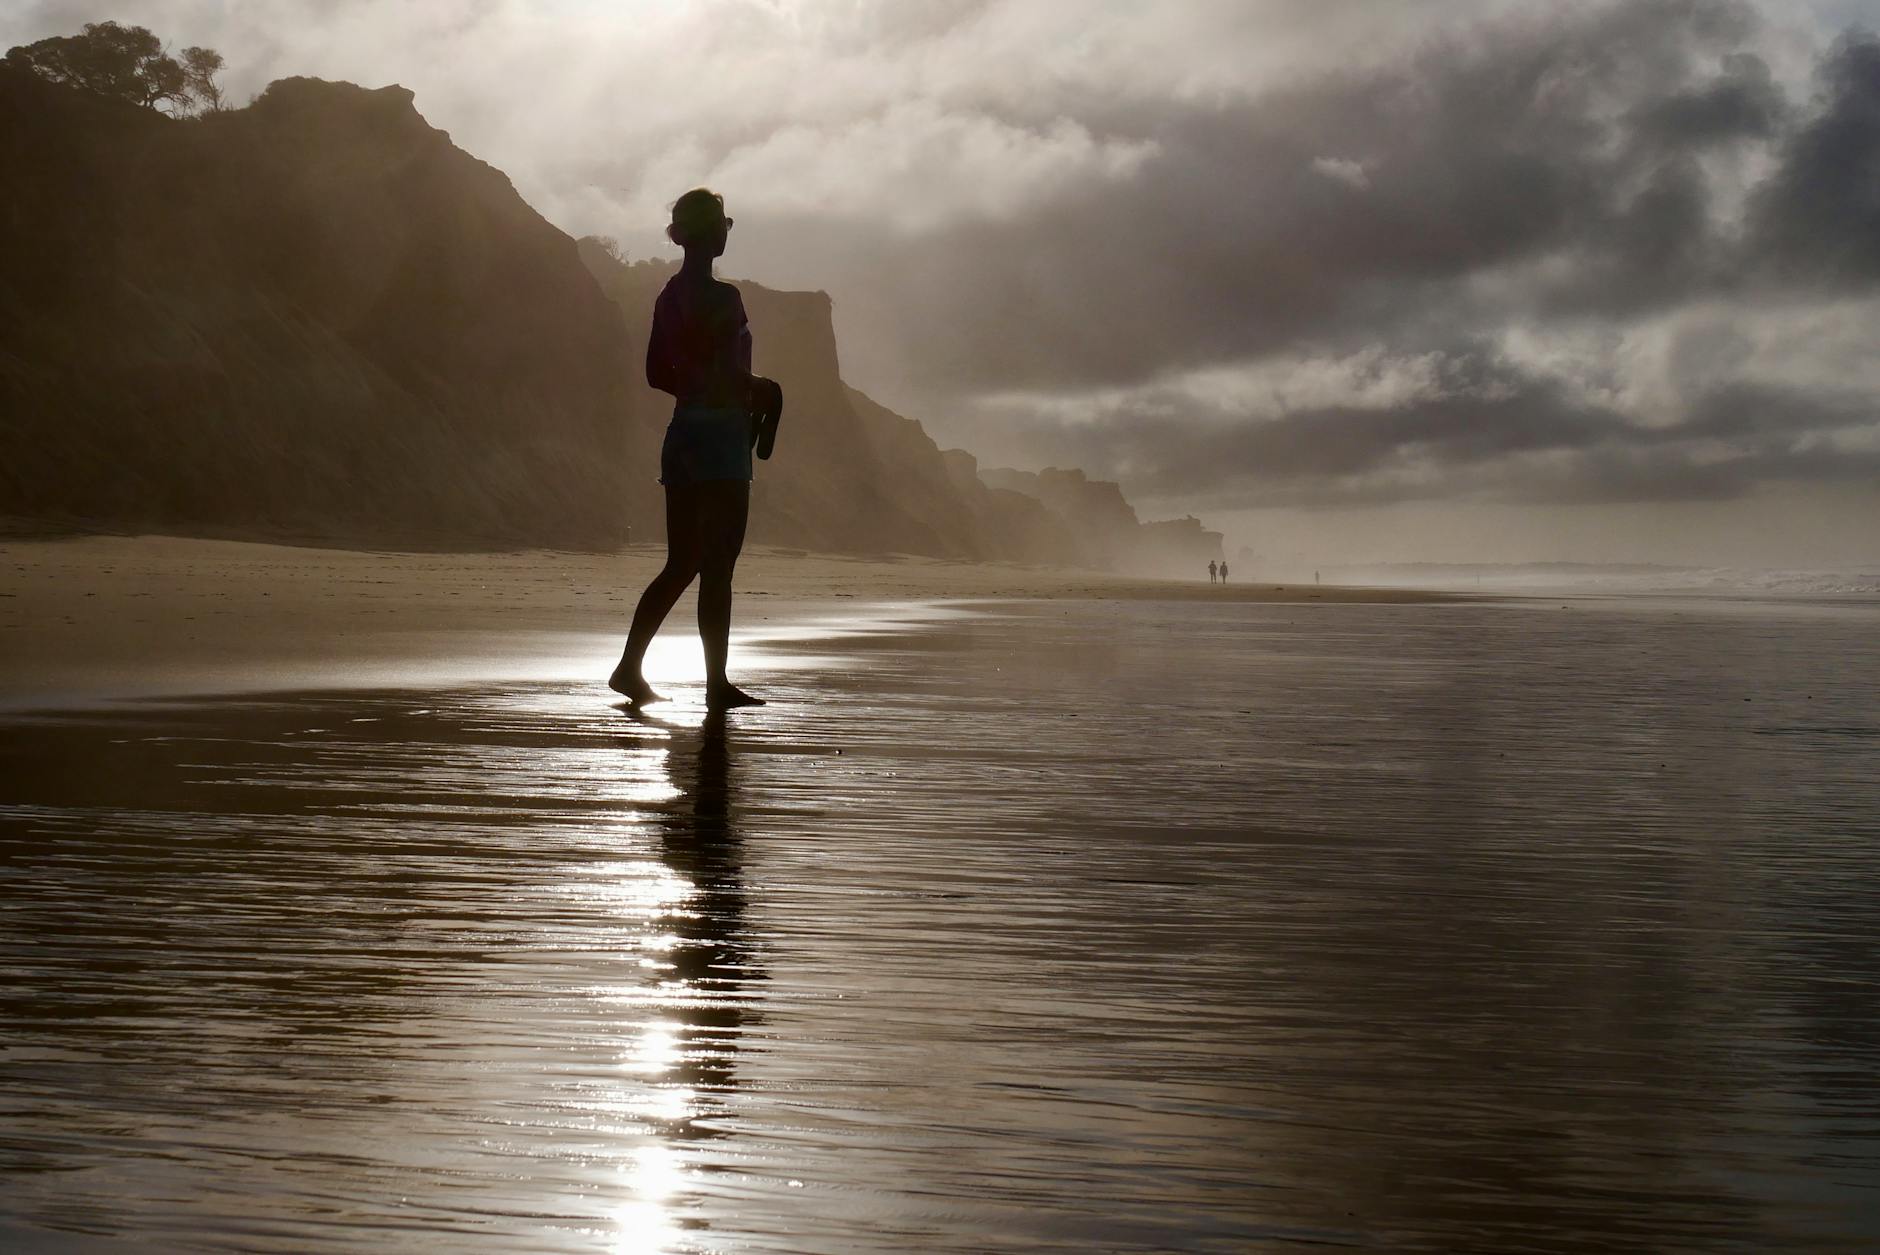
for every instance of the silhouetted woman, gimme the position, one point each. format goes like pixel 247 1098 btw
pixel 700 351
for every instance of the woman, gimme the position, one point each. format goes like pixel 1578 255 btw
pixel 700 352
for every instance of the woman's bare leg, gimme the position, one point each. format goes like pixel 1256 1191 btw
pixel 683 554
pixel 727 507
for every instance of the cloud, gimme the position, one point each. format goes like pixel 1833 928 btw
pixel 1342 170
pixel 1743 101
pixel 1553 190
pixel 1231 253
pixel 1503 172
pixel 1817 220
pixel 1467 426
pixel 914 167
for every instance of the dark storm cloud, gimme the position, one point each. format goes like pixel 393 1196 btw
pixel 1341 443
pixel 1507 437
pixel 1553 171
pixel 1773 416
pixel 1818 218
pixel 1572 133
pixel 1742 102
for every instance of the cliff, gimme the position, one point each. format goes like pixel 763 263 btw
pixel 1107 532
pixel 317 318
pixel 850 475
pixel 313 316
pixel 1177 548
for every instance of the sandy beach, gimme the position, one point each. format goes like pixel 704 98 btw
pixel 106 616
pixel 1105 923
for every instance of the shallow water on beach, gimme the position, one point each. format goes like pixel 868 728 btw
pixel 1066 926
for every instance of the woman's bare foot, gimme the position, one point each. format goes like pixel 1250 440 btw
pixel 633 687
pixel 728 696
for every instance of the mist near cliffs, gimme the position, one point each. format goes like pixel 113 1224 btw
pixel 1358 280
pixel 316 318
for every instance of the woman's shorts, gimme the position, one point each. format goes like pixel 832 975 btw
pixel 705 443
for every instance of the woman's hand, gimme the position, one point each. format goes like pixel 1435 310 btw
pixel 762 395
pixel 766 408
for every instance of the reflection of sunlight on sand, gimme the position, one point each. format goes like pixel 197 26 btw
pixel 673 659
pixel 643 1225
pixel 657 1095
pixel 637 890
pixel 652 1097
pixel 657 1050
pixel 676 657
pixel 603 851
pixel 870 619
pixel 669 1104
pixel 580 660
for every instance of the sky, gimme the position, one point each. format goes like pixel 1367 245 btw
pixel 1355 281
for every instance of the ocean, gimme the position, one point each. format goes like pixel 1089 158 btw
pixel 1532 925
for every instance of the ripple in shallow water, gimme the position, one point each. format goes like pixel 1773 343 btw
pixel 1426 927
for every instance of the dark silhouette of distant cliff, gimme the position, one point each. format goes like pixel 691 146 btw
pixel 316 318
pixel 1105 527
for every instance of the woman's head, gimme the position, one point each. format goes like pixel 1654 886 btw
pixel 698 221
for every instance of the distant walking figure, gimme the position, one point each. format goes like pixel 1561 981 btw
pixel 1223 570
pixel 1210 571
pixel 700 352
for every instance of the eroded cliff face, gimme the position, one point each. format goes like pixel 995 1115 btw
pixel 316 318
pixel 849 475
pixel 311 317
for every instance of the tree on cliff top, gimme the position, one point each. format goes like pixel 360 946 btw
pixel 200 66
pixel 125 63
pixel 609 245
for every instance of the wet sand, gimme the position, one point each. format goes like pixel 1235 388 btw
pixel 98 617
pixel 1073 925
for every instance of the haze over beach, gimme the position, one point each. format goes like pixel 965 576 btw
pixel 1353 284
pixel 1304 669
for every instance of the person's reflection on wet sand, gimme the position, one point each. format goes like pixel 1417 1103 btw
pixel 712 955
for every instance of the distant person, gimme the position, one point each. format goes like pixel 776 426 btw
pixel 700 352
pixel 1223 570
pixel 1210 571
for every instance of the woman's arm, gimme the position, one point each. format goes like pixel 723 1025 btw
pixel 739 366
pixel 661 371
